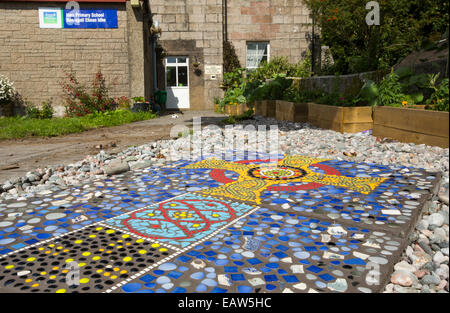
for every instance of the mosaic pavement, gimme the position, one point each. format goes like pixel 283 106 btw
pixel 253 224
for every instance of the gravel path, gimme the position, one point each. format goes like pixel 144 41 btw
pixel 424 263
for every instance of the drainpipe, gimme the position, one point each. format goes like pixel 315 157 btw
pixel 155 77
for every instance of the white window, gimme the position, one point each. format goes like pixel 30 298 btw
pixel 257 52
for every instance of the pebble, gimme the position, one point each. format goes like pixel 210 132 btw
pixel 430 280
pixel 403 278
pixel 404 266
pixel 436 219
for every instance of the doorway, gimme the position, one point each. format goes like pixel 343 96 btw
pixel 177 82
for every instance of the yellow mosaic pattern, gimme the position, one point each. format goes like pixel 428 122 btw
pixel 248 188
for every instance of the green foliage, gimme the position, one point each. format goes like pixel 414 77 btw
pixel 234 78
pixel 138 99
pixel 230 58
pixel 20 127
pixel 390 91
pixel 369 93
pixel 280 66
pixel 439 100
pixel 358 47
pixel 233 119
pixel 46 112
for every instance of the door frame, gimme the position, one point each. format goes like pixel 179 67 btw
pixel 176 65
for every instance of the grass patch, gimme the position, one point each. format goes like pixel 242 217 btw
pixel 20 127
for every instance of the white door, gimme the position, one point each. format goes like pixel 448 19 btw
pixel 177 82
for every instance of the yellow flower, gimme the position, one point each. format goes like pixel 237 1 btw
pixel 404 103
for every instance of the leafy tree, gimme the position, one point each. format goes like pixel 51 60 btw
pixel 358 47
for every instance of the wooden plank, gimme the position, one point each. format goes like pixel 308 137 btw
pixel 357 115
pixel 418 121
pixel 325 116
pixel 356 127
pixel 407 136
pixel 325 112
pixel 270 108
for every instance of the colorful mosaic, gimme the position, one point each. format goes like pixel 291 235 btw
pixel 255 178
pixel 270 251
pixel 256 223
pixel 104 256
pixel 181 221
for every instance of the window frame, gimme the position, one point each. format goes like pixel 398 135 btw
pixel 246 52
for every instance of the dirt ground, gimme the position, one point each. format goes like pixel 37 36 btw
pixel 22 155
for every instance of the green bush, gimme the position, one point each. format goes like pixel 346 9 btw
pixel 438 100
pixel 405 26
pixel 46 112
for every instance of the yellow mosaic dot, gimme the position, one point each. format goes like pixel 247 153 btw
pixel 56 253
pixel 51 245
pixel 81 264
pixel 126 259
pixel 59 248
pixel 111 244
pixel 61 291
pixel 173 204
pixel 55 268
pixel 123 272
pixel 116 269
pixel 87 253
pixel 28 280
pixel 215 215
pixel 140 240
pixel 65 271
pixel 163 250
pixel 110 231
pixel 195 225
pixel 43 273
pixel 84 280
pixel 95 258
pixel 150 214
pixel 99 228
pixel 101 250
pixel 69 260
pixel 99 271
pixel 41 248
pixel 142 251
pixel 155 245
pixel 35 285
pixel 107 274
pixel 66 250
pixel 52 277
pixel 109 251
pixel 125 236
pixel 113 276
pixel 78 241
pixel 128 243
pixel 92 236
pixel 119 247
pixel 9 266
pixel 48 251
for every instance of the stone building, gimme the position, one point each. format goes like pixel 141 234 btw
pixel 188 62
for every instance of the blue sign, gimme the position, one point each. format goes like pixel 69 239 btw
pixel 90 18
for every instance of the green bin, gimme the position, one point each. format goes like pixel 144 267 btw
pixel 161 97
